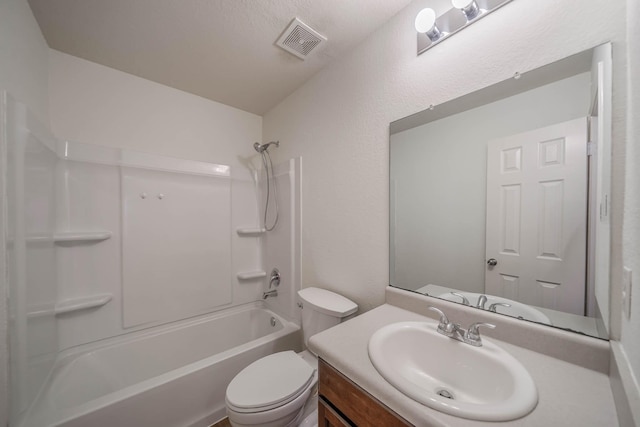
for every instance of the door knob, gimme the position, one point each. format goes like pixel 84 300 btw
pixel 492 262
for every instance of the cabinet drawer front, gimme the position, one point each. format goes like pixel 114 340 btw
pixel 354 403
pixel 327 417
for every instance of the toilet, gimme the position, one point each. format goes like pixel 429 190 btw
pixel 280 389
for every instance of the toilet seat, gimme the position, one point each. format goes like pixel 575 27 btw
pixel 269 383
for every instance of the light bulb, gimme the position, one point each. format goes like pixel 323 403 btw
pixel 425 20
pixel 426 23
pixel 468 7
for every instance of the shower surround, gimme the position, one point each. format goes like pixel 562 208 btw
pixel 110 247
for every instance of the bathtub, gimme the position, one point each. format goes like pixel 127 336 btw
pixel 169 376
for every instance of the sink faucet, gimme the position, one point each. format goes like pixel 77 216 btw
pixel 493 306
pixel 465 301
pixel 472 336
pixel 449 329
pixel 482 300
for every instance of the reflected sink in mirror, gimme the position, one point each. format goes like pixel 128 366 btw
pixel 515 309
pixel 479 383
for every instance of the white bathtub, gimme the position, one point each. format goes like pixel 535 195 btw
pixel 168 376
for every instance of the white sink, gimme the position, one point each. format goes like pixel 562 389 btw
pixel 485 383
pixel 517 309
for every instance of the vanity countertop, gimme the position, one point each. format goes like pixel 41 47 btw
pixel 568 394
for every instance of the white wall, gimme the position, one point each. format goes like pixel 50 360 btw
pixel 439 173
pixel 630 338
pixel 94 104
pixel 23 73
pixel 338 122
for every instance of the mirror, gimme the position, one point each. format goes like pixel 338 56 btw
pixel 499 198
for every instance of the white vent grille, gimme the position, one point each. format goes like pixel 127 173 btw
pixel 300 39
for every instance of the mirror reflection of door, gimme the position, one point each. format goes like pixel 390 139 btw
pixel 438 195
pixel 536 222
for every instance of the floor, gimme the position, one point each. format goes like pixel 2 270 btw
pixel 223 423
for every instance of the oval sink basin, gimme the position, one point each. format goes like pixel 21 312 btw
pixel 517 309
pixel 479 383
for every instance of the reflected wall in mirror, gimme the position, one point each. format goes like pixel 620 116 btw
pixel 499 199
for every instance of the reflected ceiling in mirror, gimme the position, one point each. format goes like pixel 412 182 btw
pixel 498 198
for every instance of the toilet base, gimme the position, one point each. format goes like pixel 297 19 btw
pixel 310 420
pixel 291 420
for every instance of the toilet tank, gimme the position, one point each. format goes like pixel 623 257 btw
pixel 322 309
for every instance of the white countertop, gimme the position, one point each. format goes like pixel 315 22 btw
pixel 568 394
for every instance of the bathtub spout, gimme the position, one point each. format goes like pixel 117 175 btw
pixel 271 293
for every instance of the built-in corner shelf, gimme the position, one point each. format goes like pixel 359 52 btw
pixel 81 236
pixel 82 303
pixel 251 275
pixel 69 236
pixel 249 231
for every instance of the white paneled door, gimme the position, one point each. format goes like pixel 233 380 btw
pixel 537 217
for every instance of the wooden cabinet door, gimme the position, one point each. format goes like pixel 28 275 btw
pixel 355 406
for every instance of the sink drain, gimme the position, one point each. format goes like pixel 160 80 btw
pixel 445 393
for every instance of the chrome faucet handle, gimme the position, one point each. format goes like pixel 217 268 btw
pixel 493 306
pixel 482 300
pixel 465 301
pixel 274 279
pixel 444 326
pixel 472 336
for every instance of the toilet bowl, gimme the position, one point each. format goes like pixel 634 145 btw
pixel 280 390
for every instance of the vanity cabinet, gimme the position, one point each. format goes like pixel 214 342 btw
pixel 343 403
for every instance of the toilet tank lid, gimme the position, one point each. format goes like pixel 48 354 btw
pixel 327 302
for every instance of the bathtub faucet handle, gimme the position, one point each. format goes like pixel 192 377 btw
pixel 274 279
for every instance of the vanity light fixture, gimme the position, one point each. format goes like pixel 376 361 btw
pixel 433 29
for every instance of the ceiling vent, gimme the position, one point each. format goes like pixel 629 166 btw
pixel 300 40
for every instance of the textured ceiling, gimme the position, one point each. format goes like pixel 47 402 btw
pixel 220 49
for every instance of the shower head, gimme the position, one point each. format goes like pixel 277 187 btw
pixel 263 147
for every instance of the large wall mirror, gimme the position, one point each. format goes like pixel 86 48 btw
pixel 500 199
